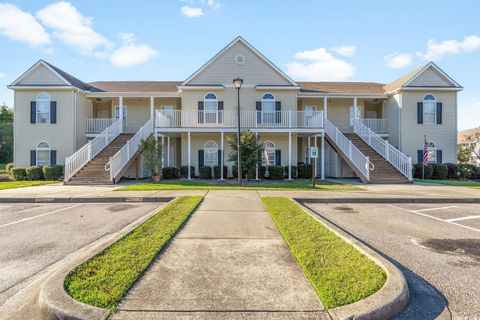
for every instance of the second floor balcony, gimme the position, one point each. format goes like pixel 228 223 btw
pixel 288 119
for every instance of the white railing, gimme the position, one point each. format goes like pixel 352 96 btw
pixel 97 125
pixel 121 158
pixel 376 125
pixel 248 118
pixel 86 153
pixel 359 160
pixel 396 158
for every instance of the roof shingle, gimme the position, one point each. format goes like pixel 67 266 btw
pixel 343 87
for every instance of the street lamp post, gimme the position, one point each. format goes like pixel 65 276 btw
pixel 238 84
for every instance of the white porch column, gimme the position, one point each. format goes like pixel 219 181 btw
pixel 355 108
pixel 221 155
pixel 120 108
pixel 316 161
pixel 323 157
pixel 325 107
pixel 308 151
pixel 163 149
pixel 289 155
pixel 189 156
pixel 168 151
pixel 256 166
pixel 152 110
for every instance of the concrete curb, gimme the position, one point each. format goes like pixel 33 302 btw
pixel 387 302
pixel 387 200
pixel 86 200
pixel 55 303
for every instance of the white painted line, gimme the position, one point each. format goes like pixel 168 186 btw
pixel 433 209
pixel 463 218
pixel 39 216
pixel 435 218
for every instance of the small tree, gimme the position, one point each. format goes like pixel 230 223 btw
pixel 152 152
pixel 249 148
pixel 464 154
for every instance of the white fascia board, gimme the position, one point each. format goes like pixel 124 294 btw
pixel 430 89
pixel 42 87
pixel 132 94
pixel 437 68
pixel 342 95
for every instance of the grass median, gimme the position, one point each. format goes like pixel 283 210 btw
pixel 22 184
pixel 105 279
pixel 454 183
pixel 214 185
pixel 339 273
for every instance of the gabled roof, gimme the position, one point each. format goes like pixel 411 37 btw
pixel 248 45
pixel 409 77
pixel 136 86
pixel 66 78
pixel 342 87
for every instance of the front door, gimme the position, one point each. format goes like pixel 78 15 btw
pixel 309 114
pixel 354 114
pixel 167 115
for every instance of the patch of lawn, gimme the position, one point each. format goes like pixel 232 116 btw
pixel 455 183
pixel 2 166
pixel 339 273
pixel 21 184
pixel 204 185
pixel 105 279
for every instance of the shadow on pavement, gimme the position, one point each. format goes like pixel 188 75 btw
pixel 426 302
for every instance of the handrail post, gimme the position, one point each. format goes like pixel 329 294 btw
pixel 89 150
pixel 410 168
pixel 350 150
pixel 367 160
pixel 387 156
pixel 289 118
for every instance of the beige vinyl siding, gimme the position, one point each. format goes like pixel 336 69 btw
pixel 339 113
pixel 430 78
pixel 444 135
pixel 41 76
pixel 60 136
pixel 392 114
pixel 103 109
pixel 254 71
pixel 83 111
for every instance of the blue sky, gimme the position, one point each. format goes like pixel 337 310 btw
pixel 310 40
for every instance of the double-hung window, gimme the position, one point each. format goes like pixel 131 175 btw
pixel 429 109
pixel 43 154
pixel 43 107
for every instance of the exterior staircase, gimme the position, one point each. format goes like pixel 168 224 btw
pixel 94 171
pixel 383 171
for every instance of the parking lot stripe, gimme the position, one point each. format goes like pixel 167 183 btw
pixel 463 218
pixel 433 209
pixel 39 216
pixel 435 218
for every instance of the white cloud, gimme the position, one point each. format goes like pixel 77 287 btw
pixel 191 12
pixel 319 64
pixel 435 50
pixel 398 60
pixel 72 27
pixel 21 26
pixel 2 75
pixel 130 54
pixel 348 51
pixel 214 4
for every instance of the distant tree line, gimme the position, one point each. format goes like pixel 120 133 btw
pixel 6 134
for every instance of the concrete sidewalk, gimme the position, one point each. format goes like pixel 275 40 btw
pixel 228 262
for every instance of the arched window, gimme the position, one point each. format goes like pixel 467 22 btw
pixel 43 107
pixel 429 109
pixel 268 154
pixel 210 150
pixel 432 152
pixel 43 154
pixel 210 103
pixel 268 108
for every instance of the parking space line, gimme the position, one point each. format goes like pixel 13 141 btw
pixel 463 218
pixel 433 209
pixel 39 216
pixel 435 218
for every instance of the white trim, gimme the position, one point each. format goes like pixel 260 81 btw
pixel 341 95
pixel 265 152
pixel 159 94
pixel 248 45
pixel 33 87
pixel 430 88
pixel 202 88
pixel 49 119
pixel 43 63
pixel 433 65
pixel 434 101
pixel 48 149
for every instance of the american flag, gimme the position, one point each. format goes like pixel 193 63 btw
pixel 425 152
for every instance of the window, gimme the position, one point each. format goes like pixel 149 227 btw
pixel 117 113
pixel 429 108
pixel 43 154
pixel 43 108
pixel 268 108
pixel 432 152
pixel 210 103
pixel 210 150
pixel 268 154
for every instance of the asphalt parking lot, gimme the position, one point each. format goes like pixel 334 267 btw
pixel 35 236
pixel 437 246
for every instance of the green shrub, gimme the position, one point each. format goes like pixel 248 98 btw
pixel 35 173
pixel 235 171
pixel 19 174
pixel 440 171
pixel 452 170
pixel 276 172
pixel 205 172
pixel 217 173
pixel 184 171
pixel 58 170
pixel 5 177
pixel 9 167
pixel 476 172
pixel 305 171
pixel 294 172
pixel 417 171
pixel 170 173
pixel 261 172
pixel 52 172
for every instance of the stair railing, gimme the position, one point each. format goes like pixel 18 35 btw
pixel 396 158
pixel 123 156
pixel 359 160
pixel 86 153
